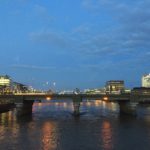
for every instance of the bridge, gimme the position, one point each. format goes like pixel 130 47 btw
pixel 41 96
pixel 127 101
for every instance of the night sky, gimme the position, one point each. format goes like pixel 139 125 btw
pixel 74 43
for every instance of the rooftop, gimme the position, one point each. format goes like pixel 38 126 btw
pixel 5 76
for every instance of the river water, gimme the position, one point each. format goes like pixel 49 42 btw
pixel 53 127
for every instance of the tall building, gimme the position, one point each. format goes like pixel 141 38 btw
pixel 5 80
pixel 114 86
pixel 146 80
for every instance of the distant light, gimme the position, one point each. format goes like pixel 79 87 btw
pixel 56 103
pixel 105 98
pixel 48 98
pixel 54 83
pixel 39 104
pixel 97 102
pixel 88 104
pixel 65 104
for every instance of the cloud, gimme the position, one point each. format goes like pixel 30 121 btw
pixel 23 2
pixel 127 34
pixel 40 9
pixel 50 38
pixel 43 13
pixel 90 4
pixel 131 30
pixel 44 68
pixel 82 29
pixel 32 67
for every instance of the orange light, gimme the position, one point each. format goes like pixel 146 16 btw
pixel 48 98
pixel 97 103
pixel 105 98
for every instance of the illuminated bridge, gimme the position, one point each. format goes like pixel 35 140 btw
pixel 126 101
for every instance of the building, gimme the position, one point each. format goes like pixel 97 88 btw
pixel 5 84
pixel 141 91
pixel 5 80
pixel 115 86
pixel 19 88
pixel 146 80
pixel 94 91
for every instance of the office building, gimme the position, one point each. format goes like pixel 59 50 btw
pixel 114 86
pixel 5 80
pixel 146 80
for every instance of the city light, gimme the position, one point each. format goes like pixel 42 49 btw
pixel 105 98
pixel 48 98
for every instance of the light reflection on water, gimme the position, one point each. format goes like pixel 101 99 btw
pixel 52 127
pixel 49 136
pixel 106 135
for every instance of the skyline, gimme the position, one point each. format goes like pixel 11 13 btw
pixel 80 43
pixel 52 85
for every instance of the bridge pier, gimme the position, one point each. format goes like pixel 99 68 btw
pixel 128 108
pixel 24 108
pixel 76 104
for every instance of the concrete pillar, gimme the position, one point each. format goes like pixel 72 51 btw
pixel 24 108
pixel 76 104
pixel 128 108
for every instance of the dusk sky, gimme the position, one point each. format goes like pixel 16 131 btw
pixel 75 43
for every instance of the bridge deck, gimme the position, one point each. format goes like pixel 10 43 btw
pixel 40 96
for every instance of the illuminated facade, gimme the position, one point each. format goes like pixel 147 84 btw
pixel 141 90
pixel 5 84
pixel 146 80
pixel 5 80
pixel 114 86
pixel 18 87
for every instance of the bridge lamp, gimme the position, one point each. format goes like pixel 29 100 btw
pixel 48 98
pixel 105 98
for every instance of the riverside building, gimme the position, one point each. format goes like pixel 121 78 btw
pixel 5 84
pixel 5 80
pixel 114 86
pixel 146 80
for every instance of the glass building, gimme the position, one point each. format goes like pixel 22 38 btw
pixel 114 86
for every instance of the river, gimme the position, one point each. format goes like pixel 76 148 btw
pixel 53 127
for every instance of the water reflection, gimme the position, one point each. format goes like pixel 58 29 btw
pixel 8 121
pixel 49 136
pixel 53 106
pixel 106 136
pixel 7 118
pixel 86 106
pixel 51 127
pixel 143 111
